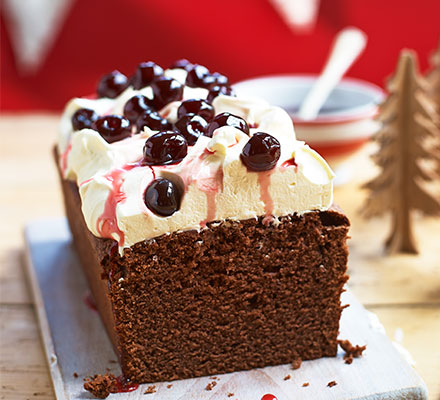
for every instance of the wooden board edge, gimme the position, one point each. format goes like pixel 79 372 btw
pixel 45 332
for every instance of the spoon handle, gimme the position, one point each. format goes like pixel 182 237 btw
pixel 349 43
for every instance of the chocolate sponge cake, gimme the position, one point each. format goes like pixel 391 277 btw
pixel 206 231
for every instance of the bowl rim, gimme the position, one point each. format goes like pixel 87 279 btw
pixel 354 114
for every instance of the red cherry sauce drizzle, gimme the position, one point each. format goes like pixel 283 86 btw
pixel 234 144
pixel 212 207
pixel 107 223
pixel 86 181
pixel 289 163
pixel 89 301
pixel 165 112
pixel 211 193
pixel 112 254
pixel 269 396
pixel 124 385
pixel 209 180
pixel 63 160
pixel 266 198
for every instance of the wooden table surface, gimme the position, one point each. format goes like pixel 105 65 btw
pixel 404 291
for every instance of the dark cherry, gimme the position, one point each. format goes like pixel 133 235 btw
pixel 166 90
pixel 153 120
pixel 112 84
pixel 218 90
pixel 135 107
pixel 145 74
pixel 261 152
pixel 215 79
pixel 83 118
pixel 227 119
pixel 113 127
pixel 196 75
pixel 164 148
pixel 198 107
pixel 191 126
pixel 182 64
pixel 163 197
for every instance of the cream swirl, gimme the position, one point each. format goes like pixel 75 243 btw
pixel 217 186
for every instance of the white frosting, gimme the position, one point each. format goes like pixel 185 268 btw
pixel 216 184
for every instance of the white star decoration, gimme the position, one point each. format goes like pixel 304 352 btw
pixel 300 15
pixel 33 26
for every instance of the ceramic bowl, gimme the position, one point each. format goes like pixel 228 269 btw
pixel 344 123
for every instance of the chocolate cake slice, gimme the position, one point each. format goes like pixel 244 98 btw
pixel 207 252
pixel 235 296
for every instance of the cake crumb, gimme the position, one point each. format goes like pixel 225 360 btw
pixel 332 383
pixel 230 394
pixel 350 350
pixel 101 385
pixel 169 386
pixel 211 385
pixel 348 359
pixel 150 389
pixel 305 384
pixel 296 363
pixel 214 377
pixel 75 375
pixel 287 377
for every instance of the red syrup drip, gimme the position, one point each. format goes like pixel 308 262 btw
pixel 289 163
pixel 233 144
pixel 266 198
pixel 113 251
pixel 207 152
pixel 107 223
pixel 208 181
pixel 269 396
pixel 153 172
pixel 166 111
pixel 86 181
pixel 211 191
pixel 63 160
pixel 267 220
pixel 124 385
pixel 89 301
pixel 212 207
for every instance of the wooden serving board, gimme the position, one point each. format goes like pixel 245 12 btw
pixel 76 343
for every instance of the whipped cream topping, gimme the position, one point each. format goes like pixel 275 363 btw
pixel 217 186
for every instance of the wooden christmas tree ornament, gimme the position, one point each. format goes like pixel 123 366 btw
pixel 409 121
pixel 433 78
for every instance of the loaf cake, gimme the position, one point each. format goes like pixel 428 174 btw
pixel 206 231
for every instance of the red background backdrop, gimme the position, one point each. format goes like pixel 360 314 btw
pixel 240 38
